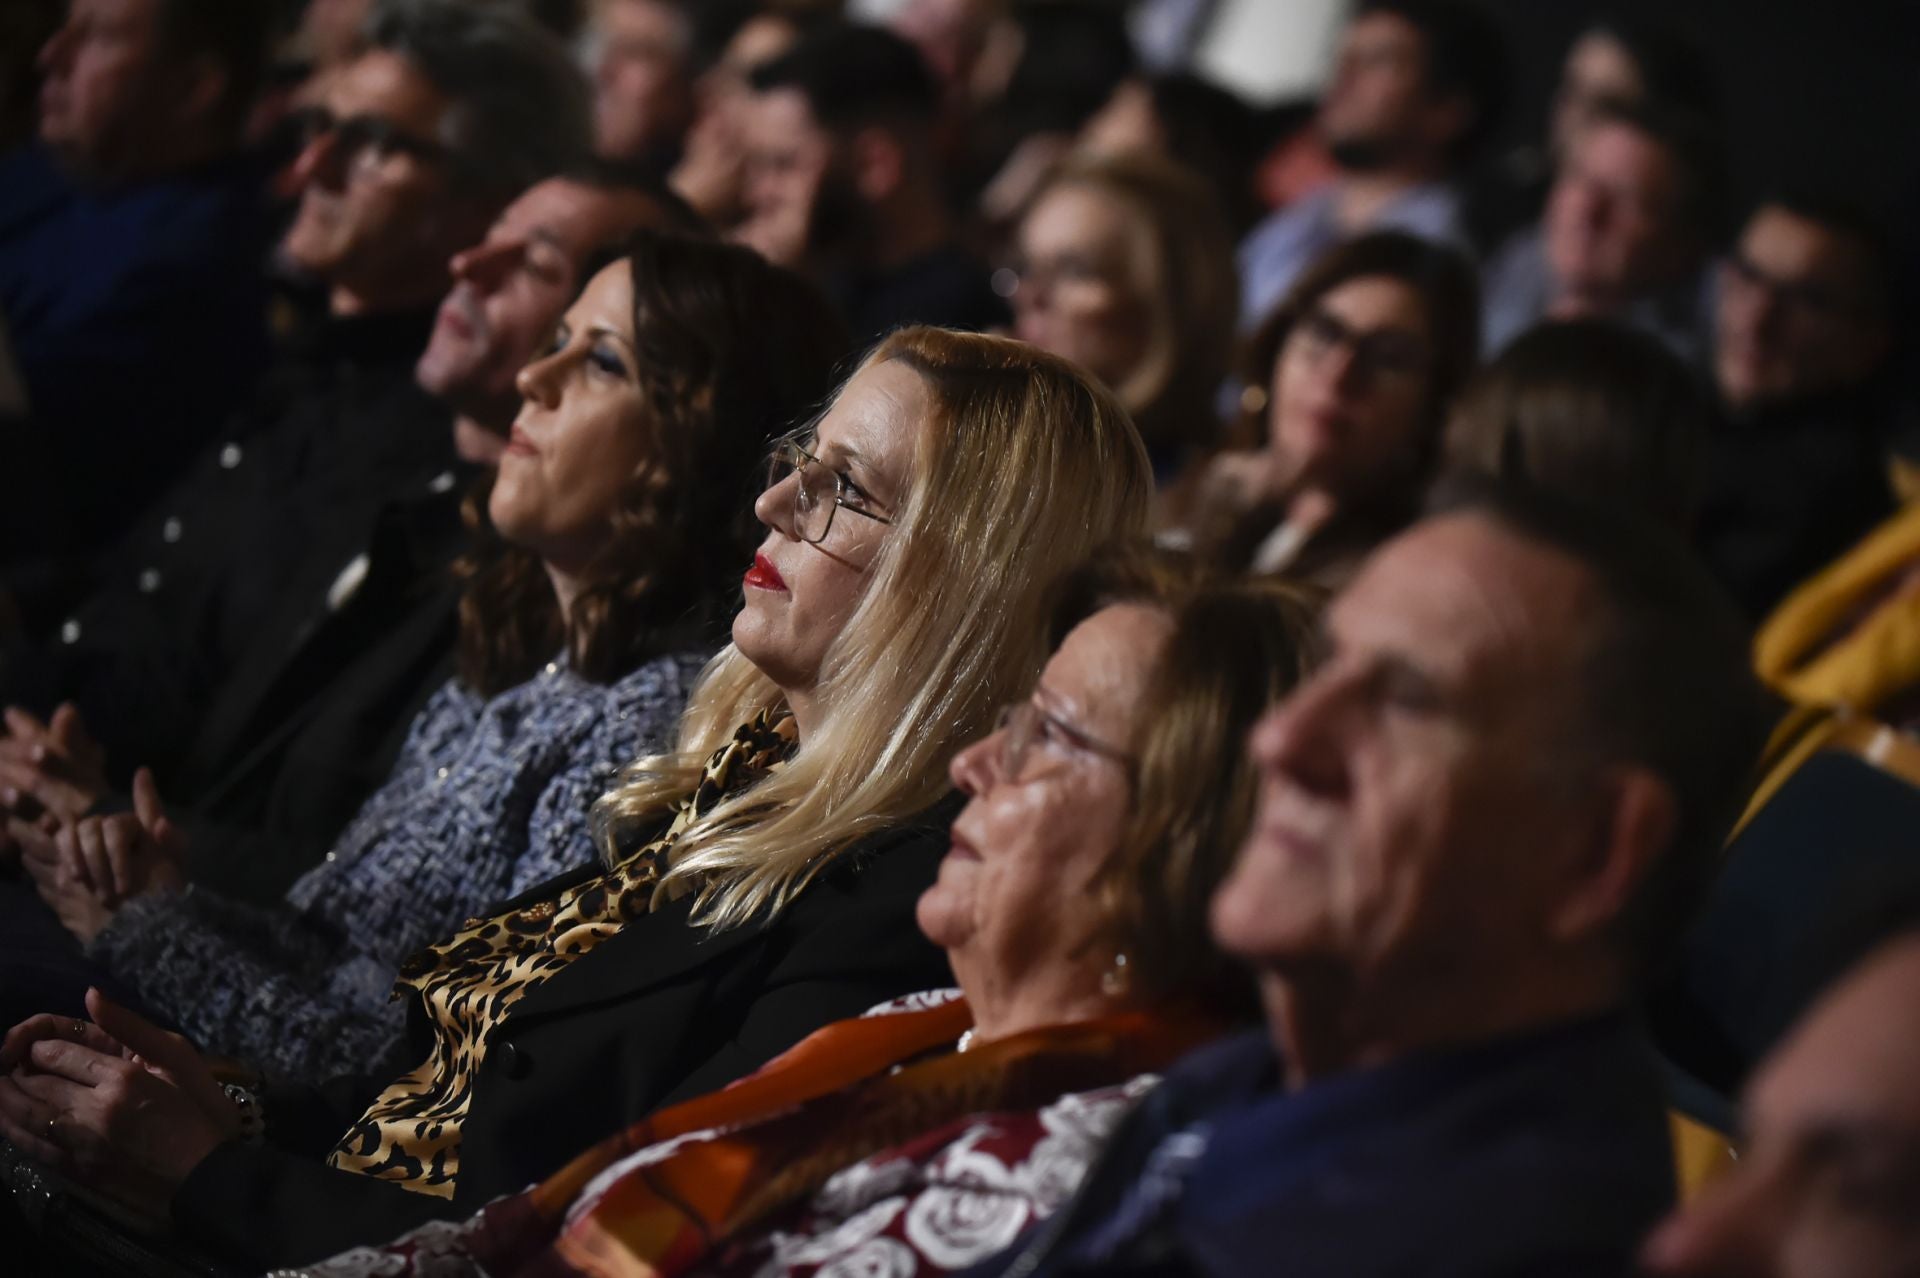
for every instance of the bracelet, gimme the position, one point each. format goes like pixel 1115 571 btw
pixel 252 1111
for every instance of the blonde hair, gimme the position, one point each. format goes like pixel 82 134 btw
pixel 1022 467
pixel 1189 283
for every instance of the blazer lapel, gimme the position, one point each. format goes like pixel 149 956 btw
pixel 651 951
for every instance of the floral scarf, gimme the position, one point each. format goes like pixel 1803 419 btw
pixel 668 1194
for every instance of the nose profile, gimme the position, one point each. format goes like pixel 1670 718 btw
pixel 1722 1234
pixel 1295 740
pixel 972 769
pixel 487 263
pixel 538 383
pixel 319 162
pixel 774 506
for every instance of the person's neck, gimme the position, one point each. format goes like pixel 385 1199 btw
pixel 567 582
pixel 914 223
pixel 1324 1024
pixel 805 708
pixel 169 154
pixel 1360 197
pixel 346 301
pixel 1007 1004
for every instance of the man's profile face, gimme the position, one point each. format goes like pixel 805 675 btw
pixel 1828 1182
pixel 99 73
pixel 1615 221
pixel 1795 316
pixel 795 176
pixel 1378 88
pixel 642 85
pixel 510 290
pixel 1416 799
pixel 385 215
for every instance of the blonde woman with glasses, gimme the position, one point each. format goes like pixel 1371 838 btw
pixel 758 882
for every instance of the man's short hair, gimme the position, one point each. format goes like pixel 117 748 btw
pixel 1665 683
pixel 676 215
pixel 236 34
pixel 520 105
pixel 1465 56
pixel 853 76
pixel 1695 145
pixel 1851 221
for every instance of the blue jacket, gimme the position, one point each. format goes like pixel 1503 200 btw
pixel 137 316
pixel 1546 1154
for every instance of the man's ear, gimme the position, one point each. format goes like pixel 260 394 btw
pixel 1633 827
pixel 878 163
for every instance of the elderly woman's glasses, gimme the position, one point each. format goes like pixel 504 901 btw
pixel 821 490
pixel 1024 725
pixel 1390 353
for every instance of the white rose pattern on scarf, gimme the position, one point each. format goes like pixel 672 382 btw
pixel 895 1217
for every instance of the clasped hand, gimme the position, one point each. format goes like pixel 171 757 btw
pixel 119 1106
pixel 85 869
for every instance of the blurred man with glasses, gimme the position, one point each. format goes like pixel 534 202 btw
pixel 330 492
pixel 1800 359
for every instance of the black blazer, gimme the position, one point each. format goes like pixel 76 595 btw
pixel 660 1013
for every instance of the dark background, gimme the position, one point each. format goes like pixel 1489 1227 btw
pixel 1825 92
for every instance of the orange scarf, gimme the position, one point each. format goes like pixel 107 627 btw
pixel 770 1140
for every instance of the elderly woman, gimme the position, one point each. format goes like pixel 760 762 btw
pixel 1073 905
pixel 758 883
pixel 1125 266
pixel 591 606
pixel 1351 378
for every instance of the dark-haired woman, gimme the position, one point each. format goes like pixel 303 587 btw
pixel 1350 381
pixel 591 607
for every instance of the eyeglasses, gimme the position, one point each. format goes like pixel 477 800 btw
pixel 814 501
pixel 1067 271
pixel 1810 300
pixel 1024 723
pixel 364 141
pixel 1388 353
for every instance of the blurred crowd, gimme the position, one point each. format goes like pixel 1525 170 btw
pixel 1311 692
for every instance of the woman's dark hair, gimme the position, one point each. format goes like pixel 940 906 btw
pixel 1449 292
pixel 1592 408
pixel 731 351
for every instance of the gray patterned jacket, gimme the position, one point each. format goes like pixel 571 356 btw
pixel 489 798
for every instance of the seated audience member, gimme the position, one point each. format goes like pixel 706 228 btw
pixel 1052 68
pixel 1591 408
pixel 309 725
pixel 423 140
pixel 1182 117
pixel 1479 821
pixel 586 619
pixel 1073 907
pixel 133 240
pixel 1616 60
pixel 758 882
pixel 1125 266
pixel 842 180
pixel 644 67
pixel 1352 378
pixel 1829 1168
pixel 1801 349
pixel 710 174
pixel 1625 234
pixel 1417 85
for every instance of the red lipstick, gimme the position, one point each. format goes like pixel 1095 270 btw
pixel 764 576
